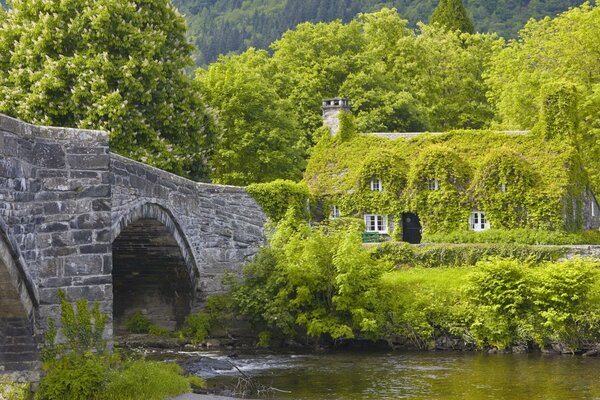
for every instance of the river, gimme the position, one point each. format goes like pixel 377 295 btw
pixel 437 375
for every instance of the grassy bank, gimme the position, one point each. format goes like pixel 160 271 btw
pixel 322 283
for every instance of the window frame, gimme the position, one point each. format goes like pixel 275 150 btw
pixel 478 222
pixel 335 212
pixel 380 222
pixel 376 185
pixel 433 185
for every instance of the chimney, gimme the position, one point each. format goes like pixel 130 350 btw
pixel 331 110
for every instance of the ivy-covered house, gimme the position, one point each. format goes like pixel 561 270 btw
pixel 402 184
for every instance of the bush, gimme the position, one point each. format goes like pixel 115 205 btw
pixel 81 369
pixel 518 236
pixel 501 296
pixel 196 327
pixel 138 323
pixel 403 255
pixel 144 380
pixel 74 377
pixel 276 197
pixel 10 390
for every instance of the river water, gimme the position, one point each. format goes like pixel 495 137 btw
pixel 447 375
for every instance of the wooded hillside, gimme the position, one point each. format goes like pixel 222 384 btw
pixel 222 26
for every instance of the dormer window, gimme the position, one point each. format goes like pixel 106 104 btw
pixel 335 212
pixel 433 184
pixel 376 185
pixel 503 187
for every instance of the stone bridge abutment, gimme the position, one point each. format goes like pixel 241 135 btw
pixel 74 216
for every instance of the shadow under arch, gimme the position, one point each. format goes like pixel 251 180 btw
pixel 154 270
pixel 18 309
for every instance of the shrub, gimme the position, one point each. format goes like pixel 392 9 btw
pixel 144 380
pixel 74 377
pixel 403 255
pixel 276 197
pixel 501 294
pixel 561 296
pixel 518 236
pixel 138 323
pixel 157 330
pixel 80 369
pixel 10 390
pixel 196 327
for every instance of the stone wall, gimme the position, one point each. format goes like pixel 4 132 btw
pixel 54 193
pixel 64 199
pixel 219 228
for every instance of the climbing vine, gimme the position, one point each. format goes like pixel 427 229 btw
pixel 543 179
pixel 437 190
pixel 500 188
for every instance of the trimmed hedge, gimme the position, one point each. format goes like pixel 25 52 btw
pixel 403 255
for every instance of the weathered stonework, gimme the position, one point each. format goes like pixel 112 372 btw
pixel 64 200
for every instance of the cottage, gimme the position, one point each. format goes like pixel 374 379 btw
pixel 403 184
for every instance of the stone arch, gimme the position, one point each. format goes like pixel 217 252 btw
pixel 154 270
pixel 18 309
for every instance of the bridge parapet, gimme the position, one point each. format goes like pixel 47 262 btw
pixel 66 204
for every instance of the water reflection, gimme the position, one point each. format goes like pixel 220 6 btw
pixel 468 376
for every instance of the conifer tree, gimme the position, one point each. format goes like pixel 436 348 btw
pixel 453 15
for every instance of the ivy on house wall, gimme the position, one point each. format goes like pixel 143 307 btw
pixel 441 206
pixel 277 196
pixel 501 188
pixel 544 178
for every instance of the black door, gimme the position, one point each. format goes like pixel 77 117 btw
pixel 411 228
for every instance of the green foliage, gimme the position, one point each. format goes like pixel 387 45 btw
pixel 441 207
pixel 396 77
pixel 452 15
pixel 501 188
pixel 419 305
pixel 138 323
pixel 559 118
pixel 540 71
pixel 112 65
pixel 260 138
pixel 403 255
pixel 81 369
pixel 226 26
pixel 517 236
pixel 470 168
pixel 196 327
pixel 501 296
pixel 317 281
pixel 10 390
pixel 81 328
pixel 276 197
pixel 322 283
pixel 81 376
pixel 145 380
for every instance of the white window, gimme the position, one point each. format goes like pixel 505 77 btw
pixel 376 223
pixel 503 187
pixel 433 184
pixel 478 222
pixel 376 185
pixel 335 212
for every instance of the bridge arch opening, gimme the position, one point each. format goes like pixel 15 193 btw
pixel 18 341
pixel 153 269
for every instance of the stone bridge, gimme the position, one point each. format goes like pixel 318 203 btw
pixel 74 216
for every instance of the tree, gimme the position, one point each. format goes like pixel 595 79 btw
pixel 452 15
pixel 108 64
pixel 564 49
pixel 260 140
